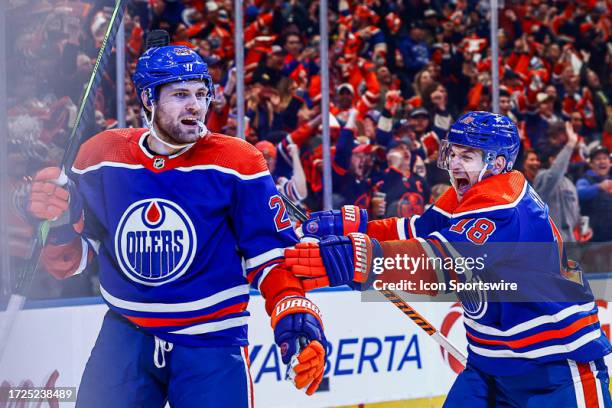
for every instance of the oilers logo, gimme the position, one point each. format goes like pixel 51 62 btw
pixel 155 242
pixel 474 302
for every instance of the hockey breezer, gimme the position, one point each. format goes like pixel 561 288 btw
pixel 84 116
pixel 180 222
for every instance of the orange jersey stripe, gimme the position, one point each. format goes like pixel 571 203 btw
pixel 254 272
pixel 182 321
pixel 540 337
pixel 589 388
pixel 383 230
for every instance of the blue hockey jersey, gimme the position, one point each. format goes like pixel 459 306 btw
pixel 180 238
pixel 552 315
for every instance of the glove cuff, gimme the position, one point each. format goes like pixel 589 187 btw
pixel 292 305
pixel 362 256
pixel 354 219
pixel 365 249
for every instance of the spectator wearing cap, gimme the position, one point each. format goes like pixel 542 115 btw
pixel 419 121
pixel 345 97
pixel 406 193
pixel 595 194
pixel 269 70
pixel 263 99
pixel 556 189
pixel 538 121
pixel 431 21
pixel 414 50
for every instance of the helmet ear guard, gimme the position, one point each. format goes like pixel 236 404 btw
pixel 146 96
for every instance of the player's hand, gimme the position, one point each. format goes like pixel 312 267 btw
pixel 334 261
pixel 53 198
pixel 298 332
pixel 335 222
pixel 49 199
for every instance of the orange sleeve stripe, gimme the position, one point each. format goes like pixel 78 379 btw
pixel 279 283
pixel 254 272
pixel 383 230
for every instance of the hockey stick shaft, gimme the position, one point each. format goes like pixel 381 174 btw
pixel 86 109
pixel 424 324
pixel 391 296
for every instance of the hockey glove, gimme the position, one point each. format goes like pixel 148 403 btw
pixel 334 261
pixel 336 222
pixel 298 332
pixel 53 197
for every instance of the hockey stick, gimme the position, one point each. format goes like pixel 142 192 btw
pixel 394 298
pixel 86 110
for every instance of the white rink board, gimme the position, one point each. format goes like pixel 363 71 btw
pixel 378 354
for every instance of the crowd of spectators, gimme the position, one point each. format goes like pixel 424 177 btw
pixel 400 73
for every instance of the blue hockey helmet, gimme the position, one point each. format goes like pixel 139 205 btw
pixel 171 63
pixel 494 134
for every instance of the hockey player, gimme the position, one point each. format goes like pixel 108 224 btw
pixel 546 351
pixel 183 222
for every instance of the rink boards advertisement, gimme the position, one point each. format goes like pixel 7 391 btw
pixel 377 354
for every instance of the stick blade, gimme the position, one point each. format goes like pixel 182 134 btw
pixel 157 38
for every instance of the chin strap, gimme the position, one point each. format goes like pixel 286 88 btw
pixel 482 172
pixel 493 173
pixel 150 123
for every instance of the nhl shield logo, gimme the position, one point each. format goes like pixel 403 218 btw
pixel 159 163
pixel 155 242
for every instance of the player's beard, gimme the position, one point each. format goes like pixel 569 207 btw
pixel 173 131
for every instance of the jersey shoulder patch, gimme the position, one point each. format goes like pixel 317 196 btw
pixel 446 203
pixel 499 192
pixel 230 153
pixel 108 146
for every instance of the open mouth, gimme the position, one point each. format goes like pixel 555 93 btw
pixel 190 121
pixel 462 184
